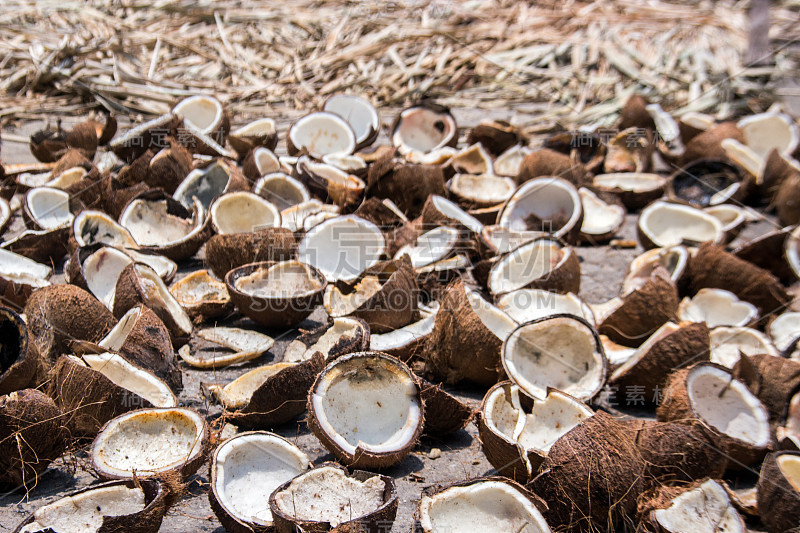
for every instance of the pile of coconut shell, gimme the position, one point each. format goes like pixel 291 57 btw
pixel 186 243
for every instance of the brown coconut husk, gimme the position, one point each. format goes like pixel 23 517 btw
pixel 687 345
pixel 713 267
pixel 461 347
pixel 34 435
pixel 118 196
pixel 786 200
pixel 642 311
pixel 83 137
pixel 226 252
pixel 407 185
pixel 496 136
pixel 403 235
pixel 139 139
pixel 60 314
pixel 778 499
pixel 661 497
pixel 634 113
pixel 444 413
pixel 708 144
pixel 48 144
pixel 547 162
pixel 136 171
pixel 169 167
pixel 778 380
pixel 631 150
pixel 244 144
pixel 777 169
pixel 377 212
pixel 45 246
pixel 19 359
pixel 592 476
pixel 768 252
pixel 208 307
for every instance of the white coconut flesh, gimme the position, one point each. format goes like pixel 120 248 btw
pixel 704 509
pixel 281 190
pixel 785 329
pixel 124 374
pixel 358 112
pixel 630 181
pixel 767 131
pixel 287 279
pixel 20 269
pixel 84 512
pixel 548 203
pixel 260 127
pixel 344 162
pixel 35 179
pixel 483 188
pixel 744 156
pixel 666 126
pixel 150 223
pixel 163 266
pixel 67 178
pixel 202 112
pixel 101 271
pixel 729 343
pixel 338 304
pixel 154 288
pixel 343 329
pixel 509 162
pixel 48 207
pixel 526 264
pixel 294 218
pixel 664 331
pixel 198 288
pixel 323 133
pixel 667 224
pixel 248 469
pixel 616 354
pixel 599 217
pixel 699 121
pixel 792 250
pixel 729 215
pixel 402 336
pixel 327 494
pixel 266 161
pixel 717 307
pixel 243 212
pixel 483 507
pixel 237 393
pixel 451 210
pixel 423 130
pixel 727 405
pixel 244 345
pixel 525 305
pixel 495 320
pixel 204 184
pixel 342 247
pixel 457 262
pixel 789 466
pixel 148 442
pixel 559 352
pixel 504 240
pixel 339 183
pixel 95 227
pixel 367 403
pixel 439 156
pixel 115 338
pixel 673 259
pixel 474 160
pixel 430 247
pixel 5 211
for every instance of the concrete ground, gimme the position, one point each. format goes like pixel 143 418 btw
pixel 602 268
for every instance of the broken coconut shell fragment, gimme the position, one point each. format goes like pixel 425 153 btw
pixel 226 252
pixel 664 224
pixel 544 263
pixel 245 470
pixel 444 413
pixel 779 491
pixel 151 443
pixel 423 129
pixel 550 204
pixel 202 296
pixel 207 182
pixel 354 501
pixel 218 347
pixel 242 212
pixel 258 133
pixel 136 506
pixel 717 307
pixel 319 134
pixel 634 189
pixel 340 336
pixel 359 113
pixel 601 220
pixel 366 409
pixel 19 277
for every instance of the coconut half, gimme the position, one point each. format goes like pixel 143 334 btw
pixel 717 307
pixel 764 132
pixel 733 218
pixel 101 270
pixel 136 505
pixel 785 331
pixel 306 215
pixel 472 160
pixel 256 134
pixel 46 208
pixel 486 505
pixel 668 224
pixel 517 432
pixel 525 305
pixel 245 471
pixel 634 189
pixel 274 295
pixel 282 190
pixel 19 277
pixel 243 212
pixel 320 134
pixel 205 113
pixel 342 336
pixel 548 203
pixel 431 246
pixel 359 113
pixel 544 263
pixel 95 227
pixel 673 259
pixel 201 296
pixel 707 182
pixel 328 498
pixel 728 344
pixel 366 409
pixel 561 351
pixel 702 507
pixel 779 491
pixel 342 247
pixel 237 346
pixel 407 342
pixel 424 129
pixel 207 183
pixel 261 162
pixel 601 220
pixel 329 182
pixel 480 190
pixel 151 442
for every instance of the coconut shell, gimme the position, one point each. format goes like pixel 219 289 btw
pixel 786 200
pixel 708 144
pixel 15 293
pixel 60 314
pixel 634 113
pixel 345 344
pixel 675 407
pixel 503 454
pixel 32 435
pixel 280 398
pixel 407 234
pixel 713 267
pixel 207 308
pixel 661 497
pixel 444 413
pixel 563 278
pixel 592 476
pixel 778 498
pixel 496 136
pixel 143 137
pixel 776 170
pixel 46 246
pixel 767 252
pixel 119 196
pixel 148 520
pixel 379 520
pixel 226 252
pixel 169 168
pixel 642 311
pixel 778 380
pixel 83 137
pixel 405 184
pixel 245 144
pixel 48 144
pixel 375 211
pixel 687 345
pixel 89 398
pixel 460 347
pixel 19 360
pixel 546 162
